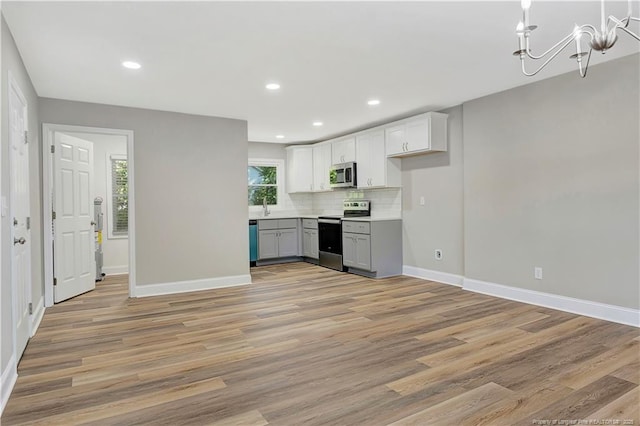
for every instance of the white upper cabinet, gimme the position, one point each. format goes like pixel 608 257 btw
pixel 300 169
pixel 418 135
pixel 343 150
pixel 374 168
pixel 321 166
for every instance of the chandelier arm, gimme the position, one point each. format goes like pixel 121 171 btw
pixel 567 39
pixel 619 23
pixel 631 33
pixel 545 62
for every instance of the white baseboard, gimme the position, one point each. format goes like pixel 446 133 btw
pixel 427 274
pixel 587 308
pixel 193 285
pixel 9 377
pixel 36 318
pixel 115 270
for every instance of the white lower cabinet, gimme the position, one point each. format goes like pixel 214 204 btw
pixel 310 238
pixel 277 238
pixel 268 244
pixel 310 243
pixel 372 249
pixel 288 242
pixel 356 251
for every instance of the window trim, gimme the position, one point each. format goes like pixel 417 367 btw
pixel 270 162
pixel 107 205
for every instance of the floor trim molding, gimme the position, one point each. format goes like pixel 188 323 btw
pixel 192 285
pixel 115 270
pixel 428 274
pixel 38 314
pixel 9 377
pixel 617 314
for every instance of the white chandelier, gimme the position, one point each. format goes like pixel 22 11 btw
pixel 599 40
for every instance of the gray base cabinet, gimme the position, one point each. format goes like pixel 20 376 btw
pixel 372 249
pixel 277 238
pixel 310 238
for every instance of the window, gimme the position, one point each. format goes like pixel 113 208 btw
pixel 265 181
pixel 118 188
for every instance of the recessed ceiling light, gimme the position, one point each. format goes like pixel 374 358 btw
pixel 279 136
pixel 318 123
pixel 273 86
pixel 373 102
pixel 131 65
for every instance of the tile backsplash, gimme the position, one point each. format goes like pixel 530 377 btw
pixel 384 202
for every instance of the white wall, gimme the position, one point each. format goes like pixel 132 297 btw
pixel 551 179
pixel 190 192
pixel 12 62
pixel 115 250
pixel 438 177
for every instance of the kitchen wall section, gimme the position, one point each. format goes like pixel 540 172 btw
pixel 551 179
pixel 297 203
pixel 190 192
pixel 437 179
pixel 386 202
pixel 115 250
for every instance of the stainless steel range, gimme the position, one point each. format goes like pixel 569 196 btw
pixel 330 232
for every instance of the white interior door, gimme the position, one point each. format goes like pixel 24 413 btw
pixel 21 252
pixel 74 239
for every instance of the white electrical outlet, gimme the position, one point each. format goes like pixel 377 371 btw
pixel 422 201
pixel 537 273
pixel 438 254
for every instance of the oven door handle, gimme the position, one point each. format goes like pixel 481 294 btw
pixel 331 221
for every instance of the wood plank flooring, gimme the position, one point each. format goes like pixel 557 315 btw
pixel 308 345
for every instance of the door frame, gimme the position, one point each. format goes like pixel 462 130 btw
pixel 48 136
pixel 15 87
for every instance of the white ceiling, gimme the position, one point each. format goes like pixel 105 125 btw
pixel 214 58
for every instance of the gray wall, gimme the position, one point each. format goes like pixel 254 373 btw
pixel 11 61
pixel 190 188
pixel 437 177
pixel 267 150
pixel 551 179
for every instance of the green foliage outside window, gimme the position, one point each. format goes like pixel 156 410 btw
pixel 120 196
pixel 263 183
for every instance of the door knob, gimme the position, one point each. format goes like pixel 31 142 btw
pixel 20 240
pixel 93 223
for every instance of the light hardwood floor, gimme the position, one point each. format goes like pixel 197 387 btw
pixel 308 345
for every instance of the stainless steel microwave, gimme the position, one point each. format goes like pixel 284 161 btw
pixel 343 175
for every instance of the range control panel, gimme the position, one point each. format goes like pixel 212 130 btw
pixel 357 207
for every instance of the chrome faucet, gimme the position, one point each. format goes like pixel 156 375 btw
pixel 265 209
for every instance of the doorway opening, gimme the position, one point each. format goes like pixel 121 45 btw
pixel 112 233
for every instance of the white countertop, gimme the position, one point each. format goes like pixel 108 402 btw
pixel 371 219
pixel 276 215
pixel 283 216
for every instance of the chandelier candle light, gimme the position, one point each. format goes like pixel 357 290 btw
pixel 601 40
